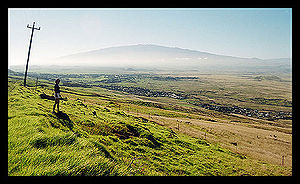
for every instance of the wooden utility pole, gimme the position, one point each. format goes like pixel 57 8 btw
pixel 32 30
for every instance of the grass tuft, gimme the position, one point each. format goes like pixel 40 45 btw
pixel 45 141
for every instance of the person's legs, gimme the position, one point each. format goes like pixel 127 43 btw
pixel 58 105
pixel 54 106
pixel 56 102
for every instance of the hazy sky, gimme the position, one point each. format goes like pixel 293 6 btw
pixel 261 33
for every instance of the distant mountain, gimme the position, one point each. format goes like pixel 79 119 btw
pixel 11 72
pixel 155 57
pixel 161 57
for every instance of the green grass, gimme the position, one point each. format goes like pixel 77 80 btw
pixel 110 143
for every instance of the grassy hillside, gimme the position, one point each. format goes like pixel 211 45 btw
pixel 92 136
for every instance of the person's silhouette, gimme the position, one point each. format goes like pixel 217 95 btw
pixel 56 95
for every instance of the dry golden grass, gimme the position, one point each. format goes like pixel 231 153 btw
pixel 259 141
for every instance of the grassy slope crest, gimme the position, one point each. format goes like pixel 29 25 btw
pixel 98 139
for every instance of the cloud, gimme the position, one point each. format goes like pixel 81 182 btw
pixel 182 58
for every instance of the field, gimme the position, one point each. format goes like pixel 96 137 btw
pixel 153 124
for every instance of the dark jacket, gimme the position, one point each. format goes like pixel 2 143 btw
pixel 56 88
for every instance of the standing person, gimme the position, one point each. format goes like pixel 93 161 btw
pixel 56 95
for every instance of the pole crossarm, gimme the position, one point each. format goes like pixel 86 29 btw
pixel 33 27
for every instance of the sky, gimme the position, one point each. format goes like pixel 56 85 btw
pixel 264 33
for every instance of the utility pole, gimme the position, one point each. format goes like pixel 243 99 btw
pixel 32 28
